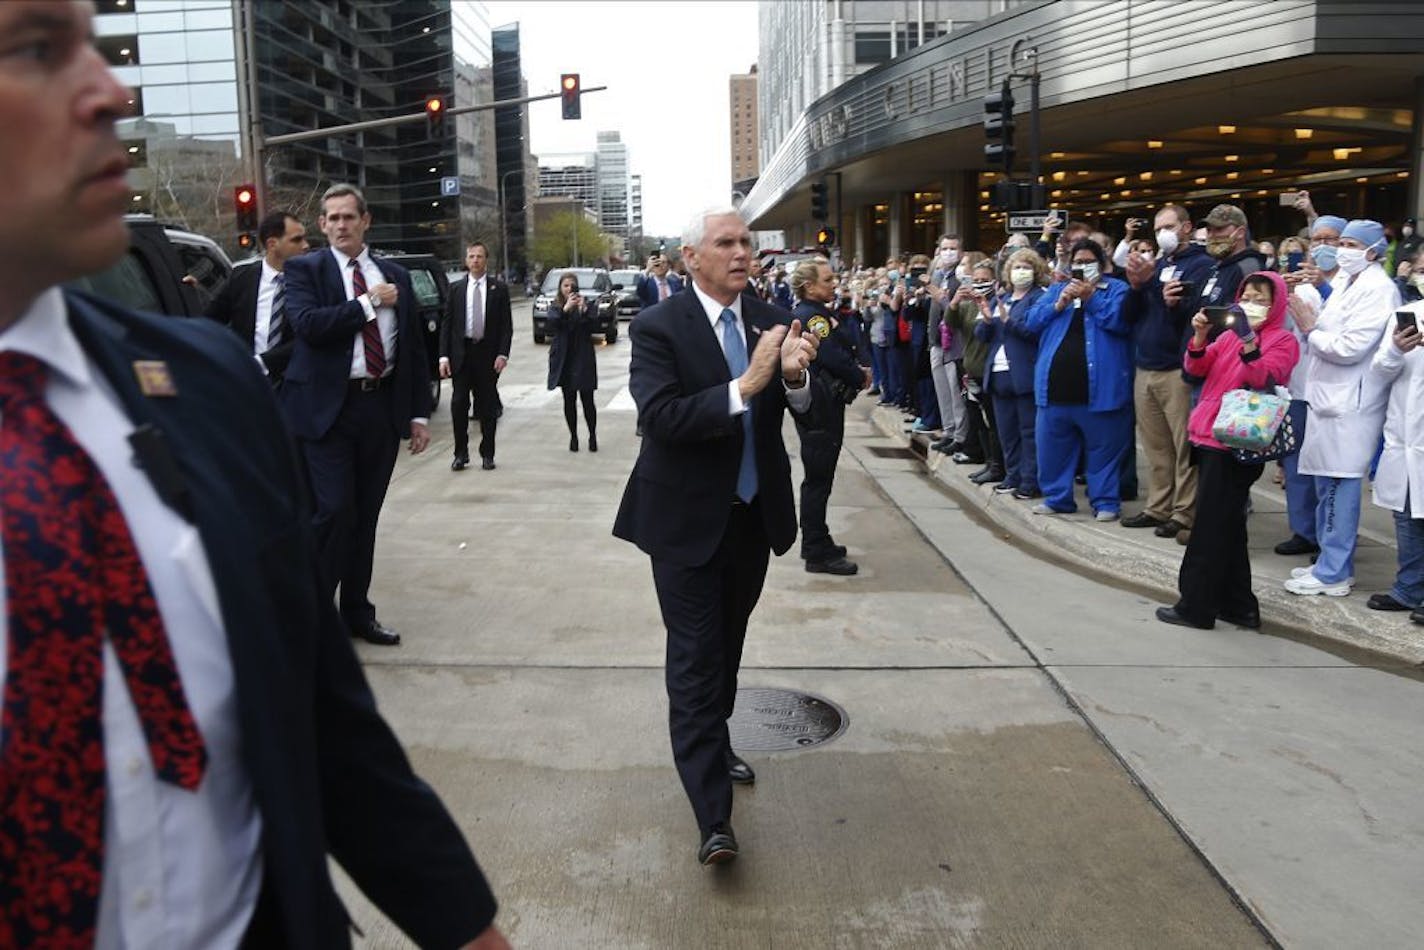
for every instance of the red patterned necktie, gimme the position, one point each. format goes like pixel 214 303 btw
pixel 72 575
pixel 371 330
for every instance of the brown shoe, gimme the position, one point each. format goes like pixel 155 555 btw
pixel 1183 537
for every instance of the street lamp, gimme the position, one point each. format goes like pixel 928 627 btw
pixel 503 222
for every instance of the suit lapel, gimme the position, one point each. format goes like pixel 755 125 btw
pixel 702 335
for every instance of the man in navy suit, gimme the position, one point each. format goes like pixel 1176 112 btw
pixel 657 284
pixel 712 372
pixel 289 761
pixel 253 301
pixel 356 386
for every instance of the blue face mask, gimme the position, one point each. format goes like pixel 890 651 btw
pixel 1323 256
pixel 893 274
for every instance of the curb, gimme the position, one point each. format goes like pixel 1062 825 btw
pixel 1145 560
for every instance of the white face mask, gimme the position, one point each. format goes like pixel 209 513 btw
pixel 961 272
pixel 1167 240
pixel 1352 260
pixel 948 258
pixel 1255 312
pixel 1021 277
pixel 1090 272
pixel 1418 280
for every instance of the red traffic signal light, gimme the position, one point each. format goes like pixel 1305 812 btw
pixel 569 92
pixel 244 201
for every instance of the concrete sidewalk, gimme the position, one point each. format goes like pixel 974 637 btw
pixel 1138 557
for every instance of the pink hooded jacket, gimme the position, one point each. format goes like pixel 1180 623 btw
pixel 1225 368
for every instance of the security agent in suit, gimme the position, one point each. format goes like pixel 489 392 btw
pixel 253 301
pixel 657 284
pixel 299 764
pixel 835 374
pixel 712 371
pixel 475 336
pixel 356 386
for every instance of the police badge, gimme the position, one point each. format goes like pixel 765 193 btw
pixel 819 325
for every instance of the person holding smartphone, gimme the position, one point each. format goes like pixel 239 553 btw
pixel 573 366
pixel 1398 367
pixel 1214 582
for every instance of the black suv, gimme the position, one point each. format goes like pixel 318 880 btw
pixel 166 270
pixel 431 286
pixel 594 284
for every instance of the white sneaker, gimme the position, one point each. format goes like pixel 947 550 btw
pixel 1105 515
pixel 1309 584
pixel 1042 509
pixel 1302 571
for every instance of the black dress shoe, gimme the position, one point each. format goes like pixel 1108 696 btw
pixel 460 463
pixel 1142 520
pixel 1251 621
pixel 1294 545
pixel 1170 615
pixel 1385 602
pixel 739 771
pixel 1417 615
pixel 573 443
pixel 1027 494
pixel 836 565
pixel 986 475
pixel 592 442
pixel 1169 529
pixel 377 634
pixel 487 464
pixel 839 549
pixel 719 846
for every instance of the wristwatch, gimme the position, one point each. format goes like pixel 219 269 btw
pixel 375 298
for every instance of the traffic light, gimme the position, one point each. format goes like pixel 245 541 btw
pixel 999 127
pixel 820 207
pixel 434 115
pixel 569 89
pixel 826 237
pixel 244 201
pixel 246 241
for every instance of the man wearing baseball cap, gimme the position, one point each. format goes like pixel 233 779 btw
pixel 1228 240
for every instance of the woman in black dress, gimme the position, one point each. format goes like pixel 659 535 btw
pixel 572 322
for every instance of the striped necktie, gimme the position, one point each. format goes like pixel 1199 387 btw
pixel 371 331
pixel 279 311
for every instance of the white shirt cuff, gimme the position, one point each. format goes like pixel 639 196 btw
pixel 735 406
pixel 424 422
pixel 799 399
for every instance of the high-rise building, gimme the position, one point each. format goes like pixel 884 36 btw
pixel 808 48
pixel 312 64
pixel 745 163
pixel 635 210
pixel 514 163
pixel 570 176
pixel 613 184
pixel 474 131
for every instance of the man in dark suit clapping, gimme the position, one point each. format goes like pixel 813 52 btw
pixel 253 301
pixel 356 386
pixel 475 336
pixel 712 372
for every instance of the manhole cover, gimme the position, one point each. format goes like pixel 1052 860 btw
pixel 775 720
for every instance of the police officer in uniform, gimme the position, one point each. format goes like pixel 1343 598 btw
pixel 839 374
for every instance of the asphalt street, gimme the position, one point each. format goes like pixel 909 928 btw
pixel 1030 759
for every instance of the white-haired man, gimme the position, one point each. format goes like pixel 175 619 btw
pixel 712 372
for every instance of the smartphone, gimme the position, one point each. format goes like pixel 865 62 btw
pixel 917 272
pixel 1289 198
pixel 1218 317
pixel 1077 273
pixel 1293 261
pixel 1189 287
pixel 1239 323
pixel 1406 319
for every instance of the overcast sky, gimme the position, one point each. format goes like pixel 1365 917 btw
pixel 667 67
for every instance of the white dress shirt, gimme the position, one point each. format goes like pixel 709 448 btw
pixel 181 869
pixel 384 316
pixel 798 399
pixel 262 327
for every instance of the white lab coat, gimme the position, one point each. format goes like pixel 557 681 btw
pixel 1346 403
pixel 1401 467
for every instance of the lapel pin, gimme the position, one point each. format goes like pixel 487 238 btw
pixel 154 378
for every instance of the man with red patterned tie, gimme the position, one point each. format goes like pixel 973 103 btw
pixel 185 732
pixel 355 387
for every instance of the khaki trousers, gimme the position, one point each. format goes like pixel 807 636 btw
pixel 1164 401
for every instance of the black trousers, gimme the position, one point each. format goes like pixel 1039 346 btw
pixel 705 610
pixel 476 378
pixel 349 470
pixel 981 429
pixel 820 451
pixel 1215 577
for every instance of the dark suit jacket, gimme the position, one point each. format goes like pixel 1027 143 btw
pixel 679 495
pixel 235 307
pixel 571 348
pixel 327 773
pixel 647 287
pixel 499 324
pixel 326 325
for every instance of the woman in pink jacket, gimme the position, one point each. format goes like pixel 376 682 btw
pixel 1215 578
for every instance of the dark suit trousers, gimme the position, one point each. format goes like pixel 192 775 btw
pixel 476 378
pixel 1215 576
pixel 349 470
pixel 705 610
pixel 820 450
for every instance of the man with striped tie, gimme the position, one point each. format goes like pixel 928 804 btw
pixel 253 302
pixel 356 385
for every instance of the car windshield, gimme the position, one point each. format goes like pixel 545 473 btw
pixel 588 279
pixel 628 278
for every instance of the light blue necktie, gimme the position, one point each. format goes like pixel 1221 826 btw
pixel 736 352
